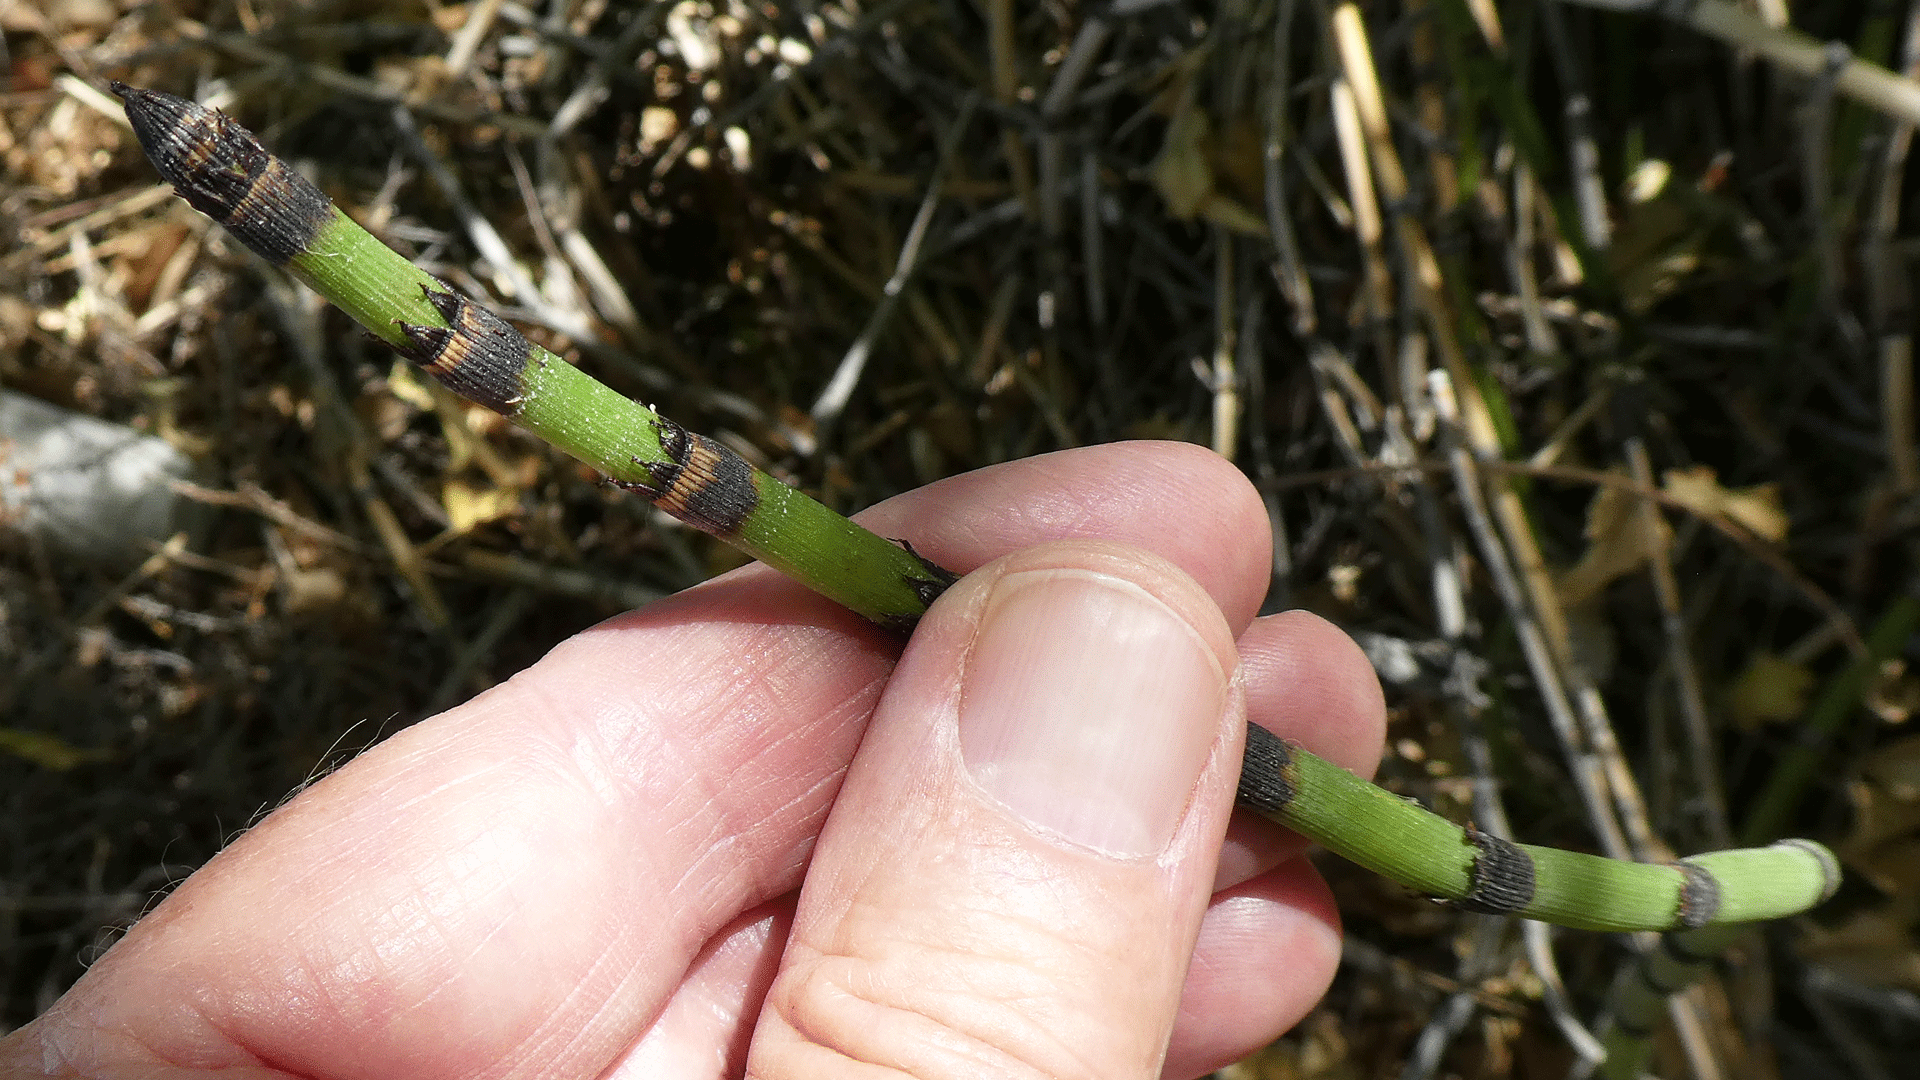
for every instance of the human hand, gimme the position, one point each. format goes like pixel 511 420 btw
pixel 591 869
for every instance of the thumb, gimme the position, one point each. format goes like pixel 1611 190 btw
pixel 1011 879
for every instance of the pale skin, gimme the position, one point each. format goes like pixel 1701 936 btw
pixel 726 835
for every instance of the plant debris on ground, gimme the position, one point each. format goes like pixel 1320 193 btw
pixel 1583 295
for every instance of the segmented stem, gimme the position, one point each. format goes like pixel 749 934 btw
pixel 223 171
pixel 1480 872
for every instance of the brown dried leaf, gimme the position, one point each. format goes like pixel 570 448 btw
pixel 468 506
pixel 1756 509
pixel 404 384
pixel 312 590
pixel 1621 536
pixel 1229 214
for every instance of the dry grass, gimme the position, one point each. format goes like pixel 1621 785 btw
pixel 1360 252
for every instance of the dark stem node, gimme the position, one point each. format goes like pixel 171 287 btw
pixel 477 355
pixel 703 482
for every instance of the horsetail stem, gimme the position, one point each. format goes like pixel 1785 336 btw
pixel 223 171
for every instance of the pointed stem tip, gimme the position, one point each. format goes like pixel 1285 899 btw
pixel 224 172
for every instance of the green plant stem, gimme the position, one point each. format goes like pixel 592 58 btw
pixel 223 171
pixel 1638 1001
pixel 1434 856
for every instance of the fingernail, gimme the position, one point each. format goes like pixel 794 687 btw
pixel 1089 708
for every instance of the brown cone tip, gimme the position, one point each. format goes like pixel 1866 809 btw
pixel 187 142
pixel 157 120
pixel 223 172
